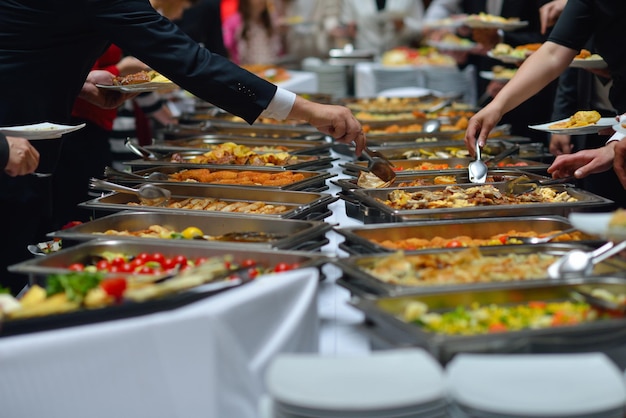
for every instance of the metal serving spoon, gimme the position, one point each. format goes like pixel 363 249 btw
pixel 148 194
pixel 524 184
pixel 379 165
pixel 431 126
pixel 477 169
pixel 155 175
pixel 578 262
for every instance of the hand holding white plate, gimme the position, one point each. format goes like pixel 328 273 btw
pixel 44 130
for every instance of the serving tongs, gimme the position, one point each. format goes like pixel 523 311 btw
pixel 523 184
pixel 111 172
pixel 149 194
pixel 142 152
pixel 379 165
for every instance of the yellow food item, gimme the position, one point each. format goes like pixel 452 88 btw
pixel 580 118
pixel 192 232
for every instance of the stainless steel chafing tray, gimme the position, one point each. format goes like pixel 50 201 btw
pixel 302 162
pixel 385 139
pixel 237 130
pixel 39 268
pixel 428 178
pixel 360 282
pixel 365 239
pixel 291 234
pixel 225 117
pixel 455 165
pixel 440 149
pixel 206 142
pixel 313 181
pixel 301 205
pixel 374 211
pixel 607 335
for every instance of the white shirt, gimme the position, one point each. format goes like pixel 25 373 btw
pixel 375 29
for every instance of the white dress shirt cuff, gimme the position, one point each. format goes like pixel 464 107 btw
pixel 280 106
pixel 617 136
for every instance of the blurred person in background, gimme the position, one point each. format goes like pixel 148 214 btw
pixel 17 156
pixel 77 33
pixel 536 110
pixel 380 25
pixel 202 21
pixel 252 35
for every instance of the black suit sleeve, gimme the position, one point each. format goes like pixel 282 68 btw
pixel 4 151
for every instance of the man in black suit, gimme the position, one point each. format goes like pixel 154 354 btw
pixel 47 50
pixel 203 23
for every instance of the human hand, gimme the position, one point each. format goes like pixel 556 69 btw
pixel 549 14
pixel 131 65
pixel 107 99
pixel 336 121
pixel 560 144
pixel 600 72
pixel 582 163
pixel 619 161
pixel 480 125
pixel 23 157
pixel 486 37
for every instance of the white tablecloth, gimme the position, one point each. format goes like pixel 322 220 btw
pixel 203 360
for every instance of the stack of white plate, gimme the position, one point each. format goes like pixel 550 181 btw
pixel 406 383
pixel 551 385
pixel 331 79
pixel 451 80
pixel 394 77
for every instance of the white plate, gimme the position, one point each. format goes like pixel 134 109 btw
pixel 451 46
pixel 478 23
pixel 597 224
pixel 446 23
pixel 489 75
pixel 356 383
pixel 536 385
pixel 582 130
pixel 141 87
pixel 590 63
pixel 44 130
pixel 509 59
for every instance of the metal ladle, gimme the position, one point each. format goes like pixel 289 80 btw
pixel 578 262
pixel 477 169
pixel 431 126
pixel 149 194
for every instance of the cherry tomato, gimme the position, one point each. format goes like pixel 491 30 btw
pixel 118 261
pixel 145 270
pixel 137 262
pixel 180 260
pixel 504 239
pixel 168 263
pixel 455 243
pixel 103 265
pixel 253 272
pixel 282 267
pixel 158 257
pixel 114 286
pixel 143 257
pixel 76 267
pixel 126 268
pixel 201 260
pixel 248 263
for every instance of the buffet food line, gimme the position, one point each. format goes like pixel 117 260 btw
pixel 270 239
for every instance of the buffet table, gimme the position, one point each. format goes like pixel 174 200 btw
pixel 203 360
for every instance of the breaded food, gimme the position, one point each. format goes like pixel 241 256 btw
pixel 580 118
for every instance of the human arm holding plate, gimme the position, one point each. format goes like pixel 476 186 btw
pixel 107 99
pixel 534 74
pixel 619 161
pixel 17 156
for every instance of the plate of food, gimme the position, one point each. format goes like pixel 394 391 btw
pixel 489 21
pixel 609 225
pixel 452 42
pixel 512 55
pixel 499 73
pixel 139 82
pixel 44 130
pixel 581 123
pixel 586 59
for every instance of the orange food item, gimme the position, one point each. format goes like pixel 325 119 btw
pixel 135 78
pixel 584 53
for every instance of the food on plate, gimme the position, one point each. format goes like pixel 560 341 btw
pixel 213 204
pixel 618 219
pixel 419 243
pixel 519 52
pixel 489 18
pixel 459 197
pixel 401 56
pixel 468 265
pixel 500 71
pixel 580 118
pixel 585 54
pixel 134 78
pixel 491 318
pixel 241 178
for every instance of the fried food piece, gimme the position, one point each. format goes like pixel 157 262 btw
pixel 584 53
pixel 135 78
pixel 580 118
